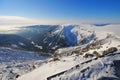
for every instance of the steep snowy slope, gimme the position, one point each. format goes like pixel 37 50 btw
pixel 69 36
pixel 97 56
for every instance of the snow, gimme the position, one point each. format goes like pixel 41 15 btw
pixel 111 42
pixel 108 29
pixel 75 67
pixel 70 38
pixel 14 45
pixel 15 63
pixel 51 68
pixel 97 69
pixel 82 32
pixel 20 43
pixel 70 35
pixel 40 47
pixel 94 70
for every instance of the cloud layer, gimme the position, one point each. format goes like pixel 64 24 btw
pixel 16 20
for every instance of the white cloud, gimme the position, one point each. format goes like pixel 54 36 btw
pixel 10 24
pixel 16 20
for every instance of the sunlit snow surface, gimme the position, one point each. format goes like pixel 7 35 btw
pixel 104 68
pixel 29 66
pixel 15 63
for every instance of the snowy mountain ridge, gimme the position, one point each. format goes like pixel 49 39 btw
pixel 81 52
pixel 47 38
pixel 95 60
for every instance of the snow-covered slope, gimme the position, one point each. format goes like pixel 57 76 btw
pixel 67 68
pixel 69 36
pixel 94 58
pixel 14 63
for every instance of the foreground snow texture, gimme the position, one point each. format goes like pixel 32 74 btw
pixel 15 63
pixel 79 62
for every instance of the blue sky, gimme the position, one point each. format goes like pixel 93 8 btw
pixel 78 10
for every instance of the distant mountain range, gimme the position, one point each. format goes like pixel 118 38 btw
pixel 45 38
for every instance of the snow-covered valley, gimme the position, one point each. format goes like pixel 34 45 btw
pixel 79 52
